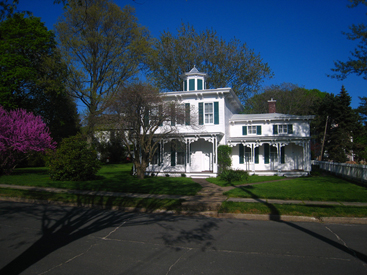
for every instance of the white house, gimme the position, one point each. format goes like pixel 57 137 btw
pixel 264 144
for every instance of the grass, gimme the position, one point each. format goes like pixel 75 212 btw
pixel 117 178
pixel 105 202
pixel 251 179
pixel 112 177
pixel 294 210
pixel 319 188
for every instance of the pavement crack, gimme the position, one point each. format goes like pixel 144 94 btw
pixel 169 270
pixel 345 244
pixel 68 261
pixel 114 230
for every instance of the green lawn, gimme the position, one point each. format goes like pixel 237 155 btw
pixel 293 209
pixel 104 202
pixel 251 179
pixel 113 177
pixel 317 188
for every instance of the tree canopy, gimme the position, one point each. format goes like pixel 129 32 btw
pixel 342 125
pixel 30 63
pixel 104 47
pixel 356 64
pixel 228 64
pixel 291 99
pixel 33 75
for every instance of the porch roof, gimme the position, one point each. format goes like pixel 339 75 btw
pixel 266 139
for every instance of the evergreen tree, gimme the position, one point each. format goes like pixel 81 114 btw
pixel 342 125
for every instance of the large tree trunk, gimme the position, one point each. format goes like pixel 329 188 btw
pixel 140 169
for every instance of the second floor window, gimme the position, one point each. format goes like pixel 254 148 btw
pixel 251 130
pixel 283 129
pixel 209 114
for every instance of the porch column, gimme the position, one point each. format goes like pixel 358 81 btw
pixel 253 156
pixel 188 158
pixel 278 157
pixel 215 155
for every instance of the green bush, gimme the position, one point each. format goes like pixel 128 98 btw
pixel 230 175
pixel 224 157
pixel 74 160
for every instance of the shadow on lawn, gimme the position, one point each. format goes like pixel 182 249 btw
pixel 275 215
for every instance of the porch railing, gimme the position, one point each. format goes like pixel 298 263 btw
pixel 351 171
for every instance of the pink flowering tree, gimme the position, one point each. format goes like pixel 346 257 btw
pixel 21 134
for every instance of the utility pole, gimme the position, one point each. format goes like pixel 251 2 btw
pixel 323 140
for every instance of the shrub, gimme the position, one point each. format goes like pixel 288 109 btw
pixel 74 160
pixel 230 175
pixel 224 157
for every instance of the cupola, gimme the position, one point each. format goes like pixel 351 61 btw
pixel 194 80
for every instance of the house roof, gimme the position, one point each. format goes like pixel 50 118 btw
pixel 193 72
pixel 267 116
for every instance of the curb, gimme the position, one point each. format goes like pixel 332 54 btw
pixel 211 214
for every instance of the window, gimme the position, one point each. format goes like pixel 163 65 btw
pixel 180 158
pixel 157 156
pixel 251 130
pixel 257 154
pixel 282 129
pixel 180 114
pixel 177 153
pixel 200 84
pixel 209 113
pixel 244 154
pixel 187 113
pixel 191 84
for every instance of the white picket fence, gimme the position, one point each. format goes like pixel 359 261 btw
pixel 351 171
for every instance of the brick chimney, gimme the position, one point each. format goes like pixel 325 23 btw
pixel 272 107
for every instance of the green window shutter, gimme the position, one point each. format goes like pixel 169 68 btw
pixel 173 155
pixel 185 85
pixel 256 154
pixel 146 117
pixel 216 112
pixel 187 113
pixel 201 114
pixel 173 115
pixel 160 114
pixel 282 154
pixel 200 84
pixel 159 154
pixel 191 84
pixel 275 129
pixel 241 153
pixel 244 130
pixel 258 130
pixel 266 153
pixel 290 129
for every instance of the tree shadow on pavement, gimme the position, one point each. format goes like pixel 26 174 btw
pixel 275 215
pixel 61 226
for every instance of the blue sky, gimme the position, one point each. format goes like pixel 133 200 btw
pixel 299 39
